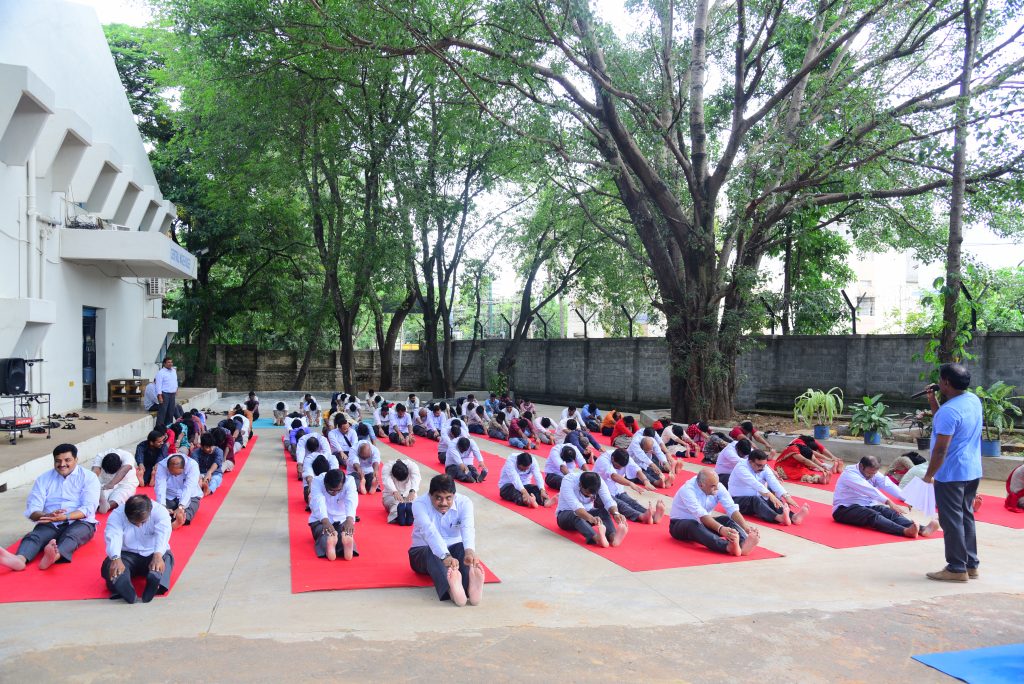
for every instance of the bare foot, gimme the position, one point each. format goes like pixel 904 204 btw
pixel 977 503
pixel 601 539
pixel 455 589
pixel 50 555
pixel 734 546
pixel 911 532
pixel 476 585
pixel 348 544
pixel 178 519
pixel 929 529
pixel 531 501
pixel 784 517
pixel 799 516
pixel 620 534
pixel 12 561
pixel 332 547
pixel 750 543
pixel 659 512
pixel 648 517
pixel 550 501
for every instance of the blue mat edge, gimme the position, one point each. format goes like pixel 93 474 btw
pixel 962 665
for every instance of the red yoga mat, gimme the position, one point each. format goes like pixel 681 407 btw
pixel 80 579
pixel 994 512
pixel 648 547
pixel 383 559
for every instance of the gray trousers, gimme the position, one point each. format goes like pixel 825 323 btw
pixel 881 518
pixel 568 520
pixel 553 480
pixel 629 507
pixel 320 540
pixel 423 562
pixel 955 501
pixel 137 565
pixel 165 414
pixel 510 493
pixel 757 507
pixel 695 530
pixel 69 537
pixel 456 473
pixel 191 508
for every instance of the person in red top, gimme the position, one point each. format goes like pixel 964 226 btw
pixel 622 433
pixel 798 463
pixel 1014 491
pixel 700 433
pixel 823 454
pixel 519 430
pixel 747 430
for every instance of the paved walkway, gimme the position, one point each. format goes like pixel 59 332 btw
pixel 560 610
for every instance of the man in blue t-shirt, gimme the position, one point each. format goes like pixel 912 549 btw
pixel 955 468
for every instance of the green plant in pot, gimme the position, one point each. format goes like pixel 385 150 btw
pixel 818 408
pixel 997 413
pixel 870 419
pixel 921 421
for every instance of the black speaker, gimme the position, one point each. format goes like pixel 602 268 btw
pixel 12 376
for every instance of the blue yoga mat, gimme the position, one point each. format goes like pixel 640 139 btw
pixel 995 665
pixel 264 423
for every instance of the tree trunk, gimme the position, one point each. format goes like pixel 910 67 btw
pixel 435 374
pixel 787 281
pixel 387 347
pixel 346 327
pixel 950 319
pixel 307 358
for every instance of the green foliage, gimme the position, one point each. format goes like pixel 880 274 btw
pixel 997 408
pixel 816 407
pixel 932 348
pixel 870 416
pixel 498 383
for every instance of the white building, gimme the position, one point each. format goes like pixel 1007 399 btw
pixel 83 244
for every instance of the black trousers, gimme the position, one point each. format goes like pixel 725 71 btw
pixel 165 415
pixel 695 530
pixel 510 493
pixel 423 562
pixel 568 520
pixel 553 480
pixel 955 501
pixel 629 507
pixel 69 537
pixel 757 507
pixel 881 518
pixel 137 565
pixel 320 540
pixel 456 473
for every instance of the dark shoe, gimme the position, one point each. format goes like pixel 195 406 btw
pixel 946 575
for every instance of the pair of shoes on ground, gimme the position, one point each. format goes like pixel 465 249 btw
pixel 947 575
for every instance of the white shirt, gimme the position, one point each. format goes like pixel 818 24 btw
pixel 691 503
pixel 604 467
pixel 342 442
pixel 745 482
pixel 166 381
pixel 853 489
pixel 571 497
pixel 728 459
pixel 657 451
pixel 455 457
pixel 511 474
pixel 402 423
pixel 435 421
pixel 639 456
pixel 413 404
pixel 151 537
pixel 431 528
pixel 920 470
pixel 365 464
pixel 300 446
pixel 540 429
pixel 183 487
pixel 79 491
pixel 310 456
pixel 335 508
pixel 149 396
pixel 511 413
pixel 554 463
pixel 130 479
pixel 382 419
pixel 392 486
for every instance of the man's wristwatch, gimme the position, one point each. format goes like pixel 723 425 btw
pixel 114 558
pixel 445 557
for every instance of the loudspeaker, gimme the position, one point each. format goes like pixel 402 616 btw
pixel 12 376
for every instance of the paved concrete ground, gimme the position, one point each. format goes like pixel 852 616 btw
pixel 560 611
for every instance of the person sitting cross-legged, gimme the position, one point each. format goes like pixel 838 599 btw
pixel 118 478
pixel 62 504
pixel 211 463
pixel 562 460
pixel 461 459
pixel 619 471
pixel 401 480
pixel 585 504
pixel 692 517
pixel 177 487
pixel 138 537
pixel 756 490
pixel 419 422
pixel 520 482
pixel 280 413
pixel 148 454
pixel 401 427
pixel 332 517
pixel 860 500
pixel 364 465
pixel 444 543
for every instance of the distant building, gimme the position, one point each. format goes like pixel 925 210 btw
pixel 85 257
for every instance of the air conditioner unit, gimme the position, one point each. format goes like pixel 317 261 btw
pixel 157 288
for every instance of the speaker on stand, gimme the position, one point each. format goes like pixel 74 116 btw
pixel 12 376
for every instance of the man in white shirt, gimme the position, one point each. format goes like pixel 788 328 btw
pixel 364 465
pixel 433 424
pixel 619 471
pixel 316 460
pixel 332 518
pixel 400 431
pixel 177 487
pixel 166 393
pixel 382 420
pixel 586 505
pixel 692 517
pixel 413 404
pixel 118 478
pixel 313 441
pixel 729 457
pixel 644 454
pixel 544 430
pixel 520 482
pixel 62 504
pixel 400 481
pixel 461 459
pixel 562 460
pixel 756 490
pixel 450 433
pixel 859 500
pixel 444 543
pixel 342 439
pixel 149 400
pixel 573 413
pixel 138 537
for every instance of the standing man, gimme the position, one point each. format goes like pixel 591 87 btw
pixel 955 468
pixel 166 393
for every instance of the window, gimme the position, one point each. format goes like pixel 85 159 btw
pixel 866 307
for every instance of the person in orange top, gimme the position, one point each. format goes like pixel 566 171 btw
pixel 798 463
pixel 609 421
pixel 622 433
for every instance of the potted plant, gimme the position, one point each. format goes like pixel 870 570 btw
pixel 869 418
pixel 818 408
pixel 921 420
pixel 997 412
